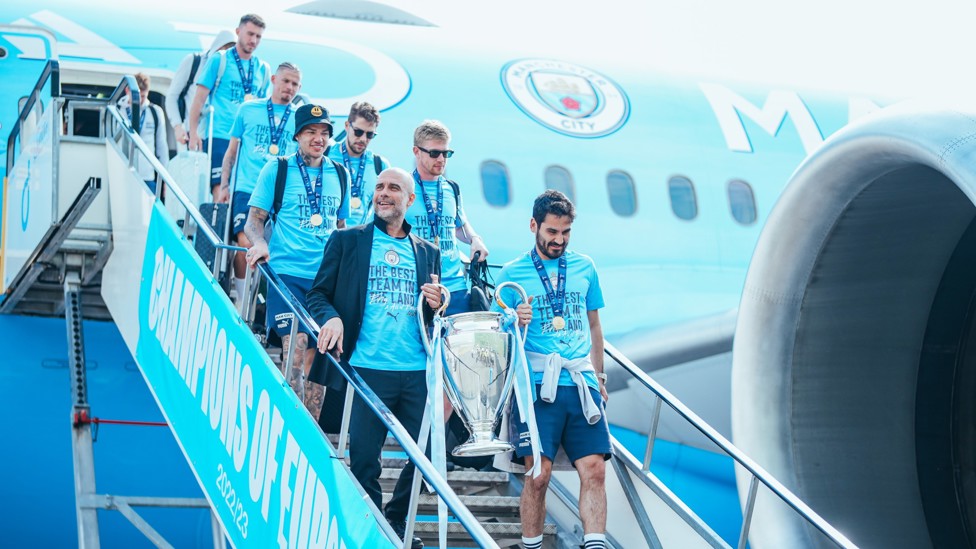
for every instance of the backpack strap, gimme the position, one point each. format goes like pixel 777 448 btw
pixel 220 70
pixel 341 171
pixel 457 195
pixel 155 115
pixel 279 190
pixel 181 99
pixel 377 163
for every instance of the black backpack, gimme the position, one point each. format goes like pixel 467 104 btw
pixel 482 290
pixel 279 191
pixel 181 99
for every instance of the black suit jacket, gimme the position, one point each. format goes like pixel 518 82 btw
pixel 339 289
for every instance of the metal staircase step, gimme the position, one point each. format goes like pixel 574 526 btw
pixel 494 506
pixel 462 476
pixel 389 445
pixel 504 533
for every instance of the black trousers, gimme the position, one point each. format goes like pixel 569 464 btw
pixel 405 394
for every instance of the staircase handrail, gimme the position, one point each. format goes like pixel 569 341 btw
pixel 52 72
pixel 758 473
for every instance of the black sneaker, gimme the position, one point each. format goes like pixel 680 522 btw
pixel 399 527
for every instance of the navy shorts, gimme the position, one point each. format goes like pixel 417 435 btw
pixel 217 159
pixel 239 210
pixel 562 423
pixel 280 315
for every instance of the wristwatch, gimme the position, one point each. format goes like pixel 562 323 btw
pixel 602 376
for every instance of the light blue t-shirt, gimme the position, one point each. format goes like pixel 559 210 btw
pixel 296 246
pixel 253 128
pixel 363 214
pixel 390 338
pixel 230 93
pixel 583 294
pixel 451 218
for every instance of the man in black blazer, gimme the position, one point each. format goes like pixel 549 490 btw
pixel 365 299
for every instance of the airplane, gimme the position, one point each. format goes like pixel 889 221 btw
pixel 674 177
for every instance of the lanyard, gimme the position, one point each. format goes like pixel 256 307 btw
pixel 433 214
pixel 357 182
pixel 247 81
pixel 556 298
pixel 313 194
pixel 276 132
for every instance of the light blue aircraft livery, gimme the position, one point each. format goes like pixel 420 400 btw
pixel 673 178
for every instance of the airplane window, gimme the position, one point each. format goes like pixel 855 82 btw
pixel 684 204
pixel 558 178
pixel 742 202
pixel 495 183
pixel 623 197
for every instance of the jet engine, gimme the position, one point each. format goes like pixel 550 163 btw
pixel 854 361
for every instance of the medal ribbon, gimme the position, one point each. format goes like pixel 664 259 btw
pixel 247 81
pixel 435 408
pixel 314 194
pixel 279 130
pixel 557 298
pixel 524 388
pixel 357 182
pixel 433 215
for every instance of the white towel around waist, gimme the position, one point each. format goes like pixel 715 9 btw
pixel 551 365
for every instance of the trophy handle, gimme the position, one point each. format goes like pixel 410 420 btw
pixel 445 301
pixel 525 299
pixel 519 289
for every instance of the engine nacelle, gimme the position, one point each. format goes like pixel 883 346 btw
pixel 854 362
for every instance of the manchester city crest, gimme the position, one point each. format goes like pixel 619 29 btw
pixel 392 257
pixel 566 97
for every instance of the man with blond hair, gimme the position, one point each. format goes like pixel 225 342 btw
pixel 263 130
pixel 438 213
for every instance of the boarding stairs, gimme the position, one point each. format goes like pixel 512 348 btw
pixel 267 471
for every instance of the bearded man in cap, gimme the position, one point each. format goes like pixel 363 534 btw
pixel 306 194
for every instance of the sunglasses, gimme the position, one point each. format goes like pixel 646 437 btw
pixel 359 133
pixel 434 153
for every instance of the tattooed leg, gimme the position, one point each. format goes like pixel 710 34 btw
pixel 295 367
pixel 314 393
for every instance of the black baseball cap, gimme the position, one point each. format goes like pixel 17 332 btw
pixel 311 114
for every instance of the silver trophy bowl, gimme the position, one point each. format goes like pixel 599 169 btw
pixel 478 374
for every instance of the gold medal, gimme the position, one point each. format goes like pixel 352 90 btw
pixel 437 241
pixel 356 203
pixel 315 220
pixel 273 149
pixel 558 323
pixel 249 97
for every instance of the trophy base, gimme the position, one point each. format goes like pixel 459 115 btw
pixel 472 448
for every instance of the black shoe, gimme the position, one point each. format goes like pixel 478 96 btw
pixel 399 527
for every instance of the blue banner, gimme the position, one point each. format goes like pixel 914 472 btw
pixel 261 460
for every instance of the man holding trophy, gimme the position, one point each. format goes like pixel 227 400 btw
pixel 564 348
pixel 365 299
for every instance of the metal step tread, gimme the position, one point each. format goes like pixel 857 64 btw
pixel 464 476
pixel 477 504
pixel 496 530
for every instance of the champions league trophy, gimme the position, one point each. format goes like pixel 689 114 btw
pixel 478 356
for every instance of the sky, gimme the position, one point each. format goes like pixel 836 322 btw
pixel 874 47
pixel 880 47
